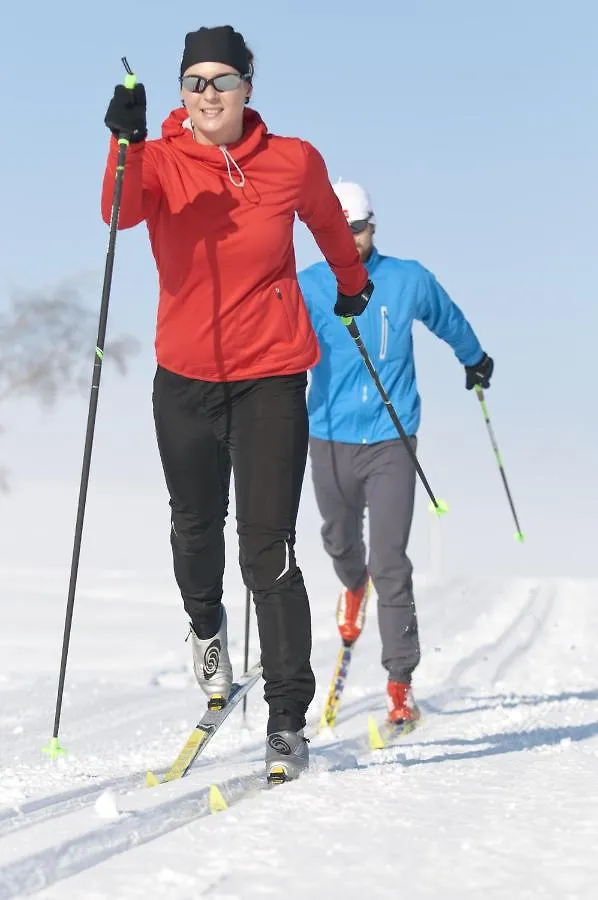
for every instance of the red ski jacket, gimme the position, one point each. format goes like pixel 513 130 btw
pixel 230 306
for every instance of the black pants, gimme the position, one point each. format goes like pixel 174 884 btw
pixel 260 429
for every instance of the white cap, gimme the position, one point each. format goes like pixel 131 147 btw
pixel 355 201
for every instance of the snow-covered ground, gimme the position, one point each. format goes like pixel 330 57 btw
pixel 495 795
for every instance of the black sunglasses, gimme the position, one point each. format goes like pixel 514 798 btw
pixel 230 81
pixel 359 225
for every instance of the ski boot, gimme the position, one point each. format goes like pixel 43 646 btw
pixel 402 708
pixel 350 613
pixel 287 756
pixel 212 666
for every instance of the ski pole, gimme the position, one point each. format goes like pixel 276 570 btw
pixel 480 393
pixel 246 662
pixel 54 749
pixel 437 506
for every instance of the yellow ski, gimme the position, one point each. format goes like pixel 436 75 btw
pixel 206 728
pixel 340 674
pixel 337 685
pixel 388 733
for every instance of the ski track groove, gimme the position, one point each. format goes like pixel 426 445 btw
pixel 36 811
pixel 126 713
pixel 454 680
pixel 45 868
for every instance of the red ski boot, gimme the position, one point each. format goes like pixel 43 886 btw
pixel 401 705
pixel 350 613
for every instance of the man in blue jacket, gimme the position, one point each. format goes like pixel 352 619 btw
pixel 357 457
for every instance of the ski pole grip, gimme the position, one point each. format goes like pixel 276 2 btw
pixel 130 82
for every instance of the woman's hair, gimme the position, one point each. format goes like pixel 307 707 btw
pixel 251 58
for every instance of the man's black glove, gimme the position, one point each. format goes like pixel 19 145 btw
pixel 126 113
pixel 480 373
pixel 354 305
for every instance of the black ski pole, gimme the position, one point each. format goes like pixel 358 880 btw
pixel 480 393
pixel 246 661
pixel 54 749
pixel 437 506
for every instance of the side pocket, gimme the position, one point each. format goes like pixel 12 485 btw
pixel 383 331
pixel 286 312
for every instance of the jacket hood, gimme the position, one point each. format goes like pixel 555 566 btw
pixel 176 128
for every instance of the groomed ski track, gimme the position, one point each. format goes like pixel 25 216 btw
pixel 497 776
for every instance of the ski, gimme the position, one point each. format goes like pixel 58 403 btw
pixel 337 686
pixel 386 734
pixel 234 790
pixel 206 728
pixel 341 669
pixel 231 791
pixel 227 794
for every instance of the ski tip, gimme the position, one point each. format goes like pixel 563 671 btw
pixel 151 780
pixel 216 801
pixel 374 736
pixel 54 750
pixel 519 537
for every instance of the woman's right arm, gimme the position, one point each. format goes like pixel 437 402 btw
pixel 141 186
pixel 141 191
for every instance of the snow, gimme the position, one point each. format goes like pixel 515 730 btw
pixel 106 806
pixel 494 795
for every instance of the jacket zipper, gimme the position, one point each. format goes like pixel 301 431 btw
pixel 366 335
pixel 384 334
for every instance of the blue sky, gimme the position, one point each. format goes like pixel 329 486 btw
pixel 473 127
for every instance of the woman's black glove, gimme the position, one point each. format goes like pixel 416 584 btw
pixel 354 305
pixel 125 116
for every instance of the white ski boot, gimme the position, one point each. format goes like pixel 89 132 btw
pixel 212 666
pixel 287 756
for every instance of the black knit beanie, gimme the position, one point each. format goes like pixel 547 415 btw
pixel 220 44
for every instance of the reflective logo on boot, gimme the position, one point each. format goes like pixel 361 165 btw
pixel 279 744
pixel 211 659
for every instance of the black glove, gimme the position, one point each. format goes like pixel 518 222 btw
pixel 480 373
pixel 126 113
pixel 355 305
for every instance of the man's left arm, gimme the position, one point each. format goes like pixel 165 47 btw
pixel 445 319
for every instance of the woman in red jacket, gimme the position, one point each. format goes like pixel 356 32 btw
pixel 219 194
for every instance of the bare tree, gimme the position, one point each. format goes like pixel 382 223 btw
pixel 47 346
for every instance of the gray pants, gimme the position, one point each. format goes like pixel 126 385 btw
pixel 347 478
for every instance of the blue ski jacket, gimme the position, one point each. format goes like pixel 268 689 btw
pixel 343 402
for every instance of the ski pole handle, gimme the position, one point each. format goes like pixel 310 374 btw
pixel 130 81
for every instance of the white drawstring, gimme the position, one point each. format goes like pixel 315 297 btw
pixel 227 156
pixel 224 150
